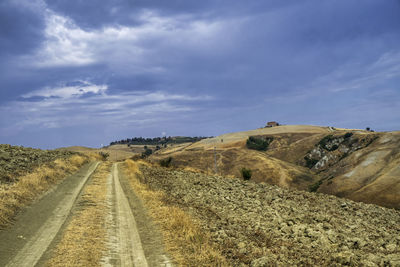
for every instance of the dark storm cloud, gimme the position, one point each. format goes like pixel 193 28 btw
pixel 98 13
pixel 21 29
pixel 194 67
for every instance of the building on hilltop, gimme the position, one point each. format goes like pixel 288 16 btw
pixel 272 124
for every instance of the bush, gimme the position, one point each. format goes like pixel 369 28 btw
pixel 104 155
pixel 310 162
pixel 258 143
pixel 246 173
pixel 348 135
pixel 166 162
pixel 147 153
pixel 324 141
pixel 333 148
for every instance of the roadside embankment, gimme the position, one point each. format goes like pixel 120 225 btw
pixel 47 169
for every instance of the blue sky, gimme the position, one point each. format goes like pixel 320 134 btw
pixel 89 72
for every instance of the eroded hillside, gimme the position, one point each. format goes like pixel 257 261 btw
pixel 355 164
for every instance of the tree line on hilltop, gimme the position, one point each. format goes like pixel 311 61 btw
pixel 158 140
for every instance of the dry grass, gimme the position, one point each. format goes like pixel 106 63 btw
pixel 28 187
pixel 183 238
pixel 231 161
pixel 84 239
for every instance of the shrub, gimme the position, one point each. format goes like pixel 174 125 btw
pixel 348 135
pixel 310 162
pixel 104 155
pixel 324 141
pixel 258 143
pixel 166 162
pixel 147 153
pixel 333 148
pixel 246 173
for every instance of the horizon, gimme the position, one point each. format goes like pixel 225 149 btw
pixel 107 144
pixel 88 73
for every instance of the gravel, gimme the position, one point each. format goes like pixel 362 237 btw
pixel 265 225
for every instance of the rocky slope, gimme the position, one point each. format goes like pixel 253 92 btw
pixel 263 225
pixel 16 160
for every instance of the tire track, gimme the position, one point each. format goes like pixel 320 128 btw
pixel 125 246
pixel 34 248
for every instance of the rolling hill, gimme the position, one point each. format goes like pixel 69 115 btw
pixel 355 164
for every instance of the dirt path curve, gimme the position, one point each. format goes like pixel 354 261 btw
pixel 25 242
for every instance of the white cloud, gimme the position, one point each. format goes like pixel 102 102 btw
pixel 69 45
pixel 72 106
pixel 68 91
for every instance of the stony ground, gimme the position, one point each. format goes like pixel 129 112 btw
pixel 16 160
pixel 264 225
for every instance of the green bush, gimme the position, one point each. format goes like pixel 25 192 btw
pixel 246 173
pixel 333 148
pixel 324 141
pixel 104 155
pixel 258 143
pixel 147 153
pixel 165 162
pixel 348 135
pixel 310 162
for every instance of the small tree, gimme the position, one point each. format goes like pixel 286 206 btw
pixel 368 129
pixel 246 173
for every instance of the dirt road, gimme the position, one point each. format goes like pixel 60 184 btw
pixel 35 228
pixel 40 229
pixel 124 239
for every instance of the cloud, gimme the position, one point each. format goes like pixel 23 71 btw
pixel 87 104
pixel 82 88
pixel 382 72
pixel 69 45
pixel 205 65
pixel 21 28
